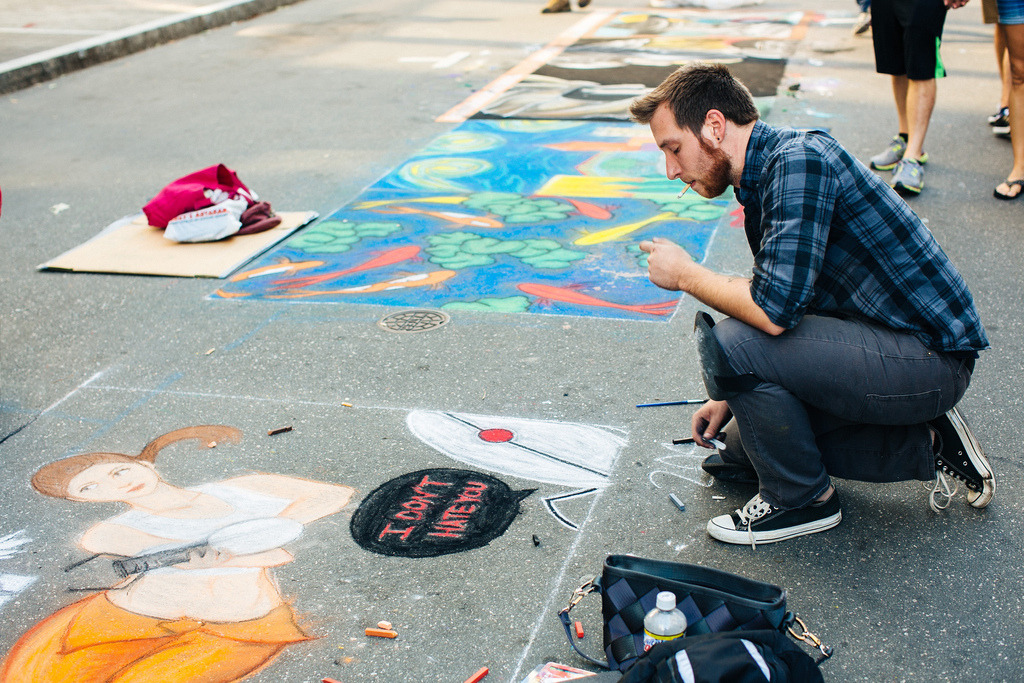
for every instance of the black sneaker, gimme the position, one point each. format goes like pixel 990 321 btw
pixel 958 454
pixel 761 522
pixel 730 472
pixel 1000 118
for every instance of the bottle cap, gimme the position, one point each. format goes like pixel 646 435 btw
pixel 666 601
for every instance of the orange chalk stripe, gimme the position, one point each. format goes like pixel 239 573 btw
pixel 381 633
pixel 478 676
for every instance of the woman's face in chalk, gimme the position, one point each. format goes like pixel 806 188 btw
pixel 113 481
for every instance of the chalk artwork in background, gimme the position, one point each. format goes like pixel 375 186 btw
pixel 12 584
pixel 598 76
pixel 194 596
pixel 500 215
pixel 435 512
pixel 562 453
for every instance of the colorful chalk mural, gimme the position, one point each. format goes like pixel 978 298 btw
pixel 500 215
pixel 194 596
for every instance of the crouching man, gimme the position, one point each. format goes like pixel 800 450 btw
pixel 855 337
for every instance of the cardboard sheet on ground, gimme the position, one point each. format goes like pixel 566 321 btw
pixel 131 246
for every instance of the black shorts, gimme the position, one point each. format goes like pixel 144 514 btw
pixel 906 35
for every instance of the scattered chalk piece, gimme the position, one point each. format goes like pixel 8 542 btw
pixel 347 405
pixel 579 630
pixel 381 633
pixel 385 625
pixel 479 675
pixel 717 497
pixel 676 442
pixel 279 430
pixel 328 680
pixel 678 503
pixel 536 541
pixel 212 444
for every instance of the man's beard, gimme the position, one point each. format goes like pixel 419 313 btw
pixel 719 175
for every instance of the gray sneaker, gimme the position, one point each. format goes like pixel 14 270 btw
pixel 908 178
pixel 887 159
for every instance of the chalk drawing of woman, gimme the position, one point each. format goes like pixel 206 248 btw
pixel 216 616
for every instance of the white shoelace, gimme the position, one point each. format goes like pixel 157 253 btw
pixel 756 508
pixel 942 489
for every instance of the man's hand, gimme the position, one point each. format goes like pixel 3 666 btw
pixel 955 4
pixel 708 421
pixel 666 262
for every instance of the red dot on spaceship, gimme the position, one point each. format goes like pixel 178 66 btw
pixel 496 435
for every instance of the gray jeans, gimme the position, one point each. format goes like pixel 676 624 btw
pixel 837 397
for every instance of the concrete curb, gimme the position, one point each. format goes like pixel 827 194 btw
pixel 43 66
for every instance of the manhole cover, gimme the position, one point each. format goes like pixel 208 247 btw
pixel 413 321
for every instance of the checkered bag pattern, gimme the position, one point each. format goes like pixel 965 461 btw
pixel 711 599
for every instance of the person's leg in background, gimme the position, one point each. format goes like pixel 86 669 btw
pixel 1000 119
pixel 863 21
pixel 1013 11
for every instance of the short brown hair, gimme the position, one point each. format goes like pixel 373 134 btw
pixel 53 479
pixel 693 90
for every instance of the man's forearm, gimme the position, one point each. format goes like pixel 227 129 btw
pixel 726 294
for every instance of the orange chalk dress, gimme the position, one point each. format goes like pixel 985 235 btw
pixel 93 640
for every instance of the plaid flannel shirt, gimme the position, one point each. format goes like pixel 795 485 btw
pixel 830 237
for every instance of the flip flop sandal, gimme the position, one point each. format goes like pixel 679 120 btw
pixel 1010 183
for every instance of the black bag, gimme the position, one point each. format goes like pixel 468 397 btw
pixel 728 657
pixel 711 599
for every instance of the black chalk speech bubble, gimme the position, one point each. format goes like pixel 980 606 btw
pixel 435 512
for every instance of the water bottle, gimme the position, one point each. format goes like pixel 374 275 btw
pixel 664 622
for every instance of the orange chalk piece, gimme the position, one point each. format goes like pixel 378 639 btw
pixel 478 676
pixel 381 633
pixel 328 680
pixel 579 630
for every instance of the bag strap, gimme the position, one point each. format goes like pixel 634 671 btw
pixel 588 586
pixel 806 636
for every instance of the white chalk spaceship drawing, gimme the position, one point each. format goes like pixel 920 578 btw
pixel 562 453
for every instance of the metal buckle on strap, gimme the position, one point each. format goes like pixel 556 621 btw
pixel 587 586
pixel 806 636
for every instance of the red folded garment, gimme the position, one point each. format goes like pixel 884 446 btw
pixel 195 191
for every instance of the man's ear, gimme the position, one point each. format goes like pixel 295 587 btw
pixel 714 125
